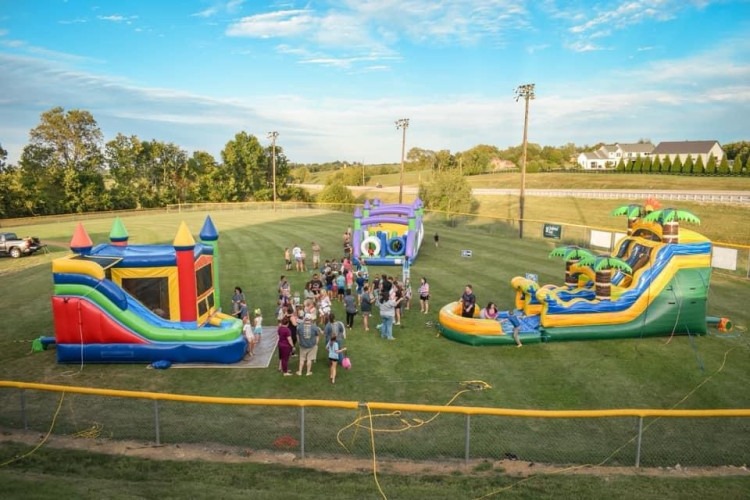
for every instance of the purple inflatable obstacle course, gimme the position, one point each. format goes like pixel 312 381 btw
pixel 387 235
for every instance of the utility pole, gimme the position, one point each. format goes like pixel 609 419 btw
pixel 403 124
pixel 273 135
pixel 525 92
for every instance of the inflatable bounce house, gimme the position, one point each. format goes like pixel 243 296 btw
pixel 387 235
pixel 123 303
pixel 655 283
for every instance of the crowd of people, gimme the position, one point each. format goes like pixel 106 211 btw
pixel 306 317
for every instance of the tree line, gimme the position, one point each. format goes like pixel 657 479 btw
pixel 67 168
pixel 648 165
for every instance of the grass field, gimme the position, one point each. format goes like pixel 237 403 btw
pixel 52 473
pixel 419 367
pixel 567 180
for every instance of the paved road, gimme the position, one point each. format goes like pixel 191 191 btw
pixel 729 197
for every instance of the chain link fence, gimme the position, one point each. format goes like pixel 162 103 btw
pixel 645 438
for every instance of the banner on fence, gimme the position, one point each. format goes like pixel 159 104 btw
pixel 601 239
pixel 724 258
pixel 552 230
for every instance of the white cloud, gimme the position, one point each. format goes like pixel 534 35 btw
pixel 279 24
pixel 230 7
pixel 351 31
pixel 601 20
pixel 78 20
pixel 117 18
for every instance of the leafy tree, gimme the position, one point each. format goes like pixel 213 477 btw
pixel 620 165
pixel 737 150
pixel 246 163
pixel 687 167
pixel 64 153
pixel 299 174
pixel 478 159
pixel 637 165
pixel 646 165
pixel 3 158
pixel 337 195
pixel 449 192
pixel 666 165
pixel 699 168
pixel 711 166
pixel 282 173
pixel 724 166
pixel 656 165
pixel 123 158
pixel 444 160
pixel 350 176
pixel 677 165
pixel 206 183
pixel 12 199
pixel 421 159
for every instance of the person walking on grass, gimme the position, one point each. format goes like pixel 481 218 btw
pixel 424 295
pixel 350 305
pixel 334 351
pixel 285 346
pixel 308 334
pixel 388 307
pixel 366 299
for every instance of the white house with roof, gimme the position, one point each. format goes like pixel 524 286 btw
pixel 693 149
pixel 609 155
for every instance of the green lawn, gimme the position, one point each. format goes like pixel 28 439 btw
pixel 419 367
pixel 53 473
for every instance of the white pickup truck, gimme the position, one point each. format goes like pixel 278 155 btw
pixel 11 244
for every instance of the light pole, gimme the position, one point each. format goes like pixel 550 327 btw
pixel 273 135
pixel 403 124
pixel 525 92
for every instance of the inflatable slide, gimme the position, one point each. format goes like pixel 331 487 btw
pixel 387 235
pixel 655 283
pixel 123 303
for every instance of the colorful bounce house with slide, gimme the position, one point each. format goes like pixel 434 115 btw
pixel 387 234
pixel 125 303
pixel 654 283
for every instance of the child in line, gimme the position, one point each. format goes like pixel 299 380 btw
pixel 333 355
pixel 257 330
pixel 247 332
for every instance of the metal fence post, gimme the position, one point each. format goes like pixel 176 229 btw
pixel 156 421
pixel 638 443
pixel 23 410
pixel 302 432
pixel 467 439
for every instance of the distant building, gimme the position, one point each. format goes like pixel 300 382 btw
pixel 693 149
pixel 609 155
pixel 497 165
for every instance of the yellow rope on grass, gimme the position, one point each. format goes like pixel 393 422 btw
pixel 44 440
pixel 472 385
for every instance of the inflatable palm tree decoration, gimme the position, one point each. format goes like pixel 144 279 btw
pixel 572 254
pixel 603 265
pixel 670 218
pixel 633 212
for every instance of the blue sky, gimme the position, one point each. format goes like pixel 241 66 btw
pixel 332 76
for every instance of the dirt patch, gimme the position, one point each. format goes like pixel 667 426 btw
pixel 347 464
